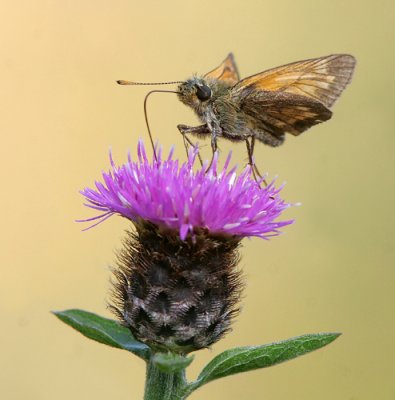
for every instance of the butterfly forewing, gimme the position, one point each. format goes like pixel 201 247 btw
pixel 322 79
pixel 226 72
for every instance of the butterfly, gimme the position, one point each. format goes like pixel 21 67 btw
pixel 287 99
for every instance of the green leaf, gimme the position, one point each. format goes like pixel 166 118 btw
pixel 242 359
pixel 103 330
pixel 170 362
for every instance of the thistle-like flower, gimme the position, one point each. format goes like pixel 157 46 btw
pixel 177 286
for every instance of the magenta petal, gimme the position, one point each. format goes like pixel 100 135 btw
pixel 166 193
pixel 184 231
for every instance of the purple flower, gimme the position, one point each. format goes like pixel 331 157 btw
pixel 175 196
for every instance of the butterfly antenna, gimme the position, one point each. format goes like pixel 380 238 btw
pixel 122 82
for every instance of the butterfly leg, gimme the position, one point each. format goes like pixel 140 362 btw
pixel 187 142
pixel 194 130
pixel 254 168
pixel 200 130
pixel 254 164
pixel 214 147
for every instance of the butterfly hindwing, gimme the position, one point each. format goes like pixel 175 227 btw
pixel 280 112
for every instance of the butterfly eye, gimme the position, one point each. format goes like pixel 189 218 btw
pixel 203 92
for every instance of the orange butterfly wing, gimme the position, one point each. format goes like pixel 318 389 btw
pixel 226 72
pixel 322 79
pixel 294 97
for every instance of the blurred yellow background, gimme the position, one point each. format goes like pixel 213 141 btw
pixel 60 113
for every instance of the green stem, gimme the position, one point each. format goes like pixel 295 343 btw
pixel 161 385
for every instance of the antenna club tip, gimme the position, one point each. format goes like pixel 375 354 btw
pixel 121 82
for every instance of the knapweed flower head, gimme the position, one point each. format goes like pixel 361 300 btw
pixel 175 196
pixel 177 286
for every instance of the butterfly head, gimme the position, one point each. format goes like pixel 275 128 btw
pixel 195 92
